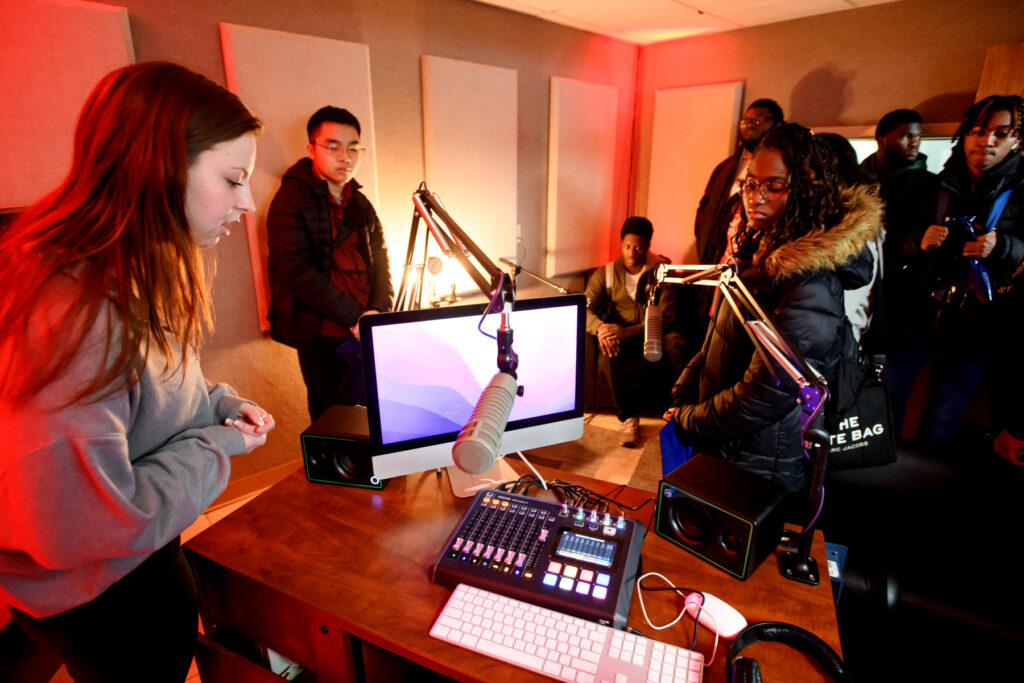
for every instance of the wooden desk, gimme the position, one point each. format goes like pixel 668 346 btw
pixel 318 572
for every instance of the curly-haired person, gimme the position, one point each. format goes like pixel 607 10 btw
pixel 801 242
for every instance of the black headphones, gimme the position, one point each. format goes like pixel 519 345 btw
pixel 746 670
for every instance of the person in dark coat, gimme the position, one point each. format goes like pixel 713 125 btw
pixel 904 181
pixel 981 191
pixel 328 263
pixel 720 203
pixel 802 241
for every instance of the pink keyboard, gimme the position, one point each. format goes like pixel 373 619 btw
pixel 558 645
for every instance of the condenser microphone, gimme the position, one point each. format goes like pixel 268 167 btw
pixel 476 447
pixel 652 334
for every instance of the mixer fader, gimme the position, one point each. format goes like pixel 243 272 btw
pixel 581 562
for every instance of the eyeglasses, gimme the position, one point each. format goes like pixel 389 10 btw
pixel 770 189
pixel 351 151
pixel 755 120
pixel 1001 133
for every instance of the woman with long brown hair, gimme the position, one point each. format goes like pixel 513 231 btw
pixel 113 442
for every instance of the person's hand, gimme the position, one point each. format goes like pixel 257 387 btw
pixel 355 328
pixel 934 236
pixel 670 413
pixel 609 346
pixel 1009 448
pixel 254 423
pixel 608 338
pixel 981 246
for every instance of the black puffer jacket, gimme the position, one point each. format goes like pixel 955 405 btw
pixel 299 265
pixel 729 403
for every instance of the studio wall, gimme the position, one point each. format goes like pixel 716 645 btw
pixel 398 33
pixel 841 69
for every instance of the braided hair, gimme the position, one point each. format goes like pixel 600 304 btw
pixel 814 187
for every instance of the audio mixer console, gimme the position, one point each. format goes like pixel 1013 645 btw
pixel 576 561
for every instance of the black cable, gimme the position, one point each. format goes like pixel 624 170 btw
pixel 679 589
pixel 573 495
pixel 650 522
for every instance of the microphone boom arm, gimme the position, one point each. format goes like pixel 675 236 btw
pixel 812 389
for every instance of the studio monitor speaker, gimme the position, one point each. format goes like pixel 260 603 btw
pixel 336 449
pixel 727 517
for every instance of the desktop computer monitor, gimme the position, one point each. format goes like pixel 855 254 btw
pixel 425 370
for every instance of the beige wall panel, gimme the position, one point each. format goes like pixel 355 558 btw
pixel 694 129
pixel 280 77
pixel 51 56
pixel 581 174
pixel 470 129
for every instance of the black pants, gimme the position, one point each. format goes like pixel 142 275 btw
pixel 332 376
pixel 142 628
pixel 638 384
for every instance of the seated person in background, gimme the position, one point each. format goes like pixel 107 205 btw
pixel 983 181
pixel 328 263
pixel 617 320
pixel 802 242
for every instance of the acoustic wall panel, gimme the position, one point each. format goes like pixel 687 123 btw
pixel 283 78
pixel 694 129
pixel 51 56
pixel 469 145
pixel 581 173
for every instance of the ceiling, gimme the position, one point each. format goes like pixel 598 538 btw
pixel 652 21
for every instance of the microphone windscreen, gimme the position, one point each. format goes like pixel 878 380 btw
pixel 477 445
pixel 652 334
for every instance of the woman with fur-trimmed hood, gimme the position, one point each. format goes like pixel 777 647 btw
pixel 801 244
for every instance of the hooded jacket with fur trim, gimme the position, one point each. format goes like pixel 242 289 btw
pixel 729 401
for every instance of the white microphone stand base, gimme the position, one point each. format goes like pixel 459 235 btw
pixel 465 485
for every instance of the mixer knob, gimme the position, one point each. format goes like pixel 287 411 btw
pixel 487 553
pixel 477 549
pixel 457 544
pixel 521 560
pixel 543 535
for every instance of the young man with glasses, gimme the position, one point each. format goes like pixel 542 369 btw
pixel 720 206
pixel 328 263
pixel 720 209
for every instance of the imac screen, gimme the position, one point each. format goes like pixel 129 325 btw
pixel 425 370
